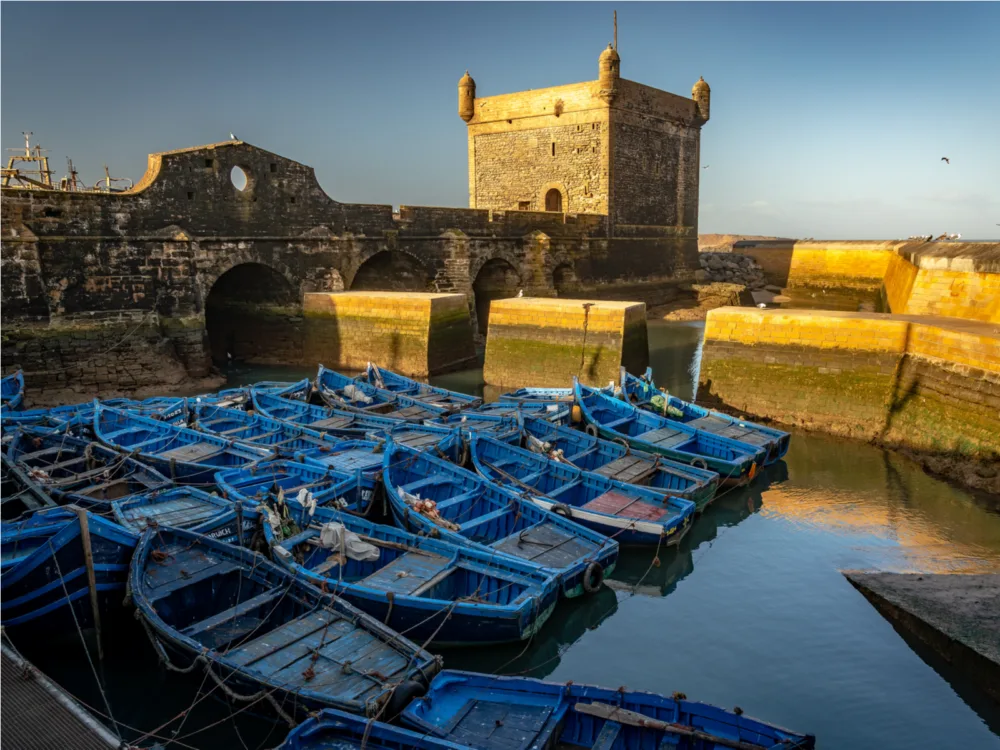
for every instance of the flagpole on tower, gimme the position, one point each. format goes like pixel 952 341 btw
pixel 616 31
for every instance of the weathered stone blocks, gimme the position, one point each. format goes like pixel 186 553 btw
pixel 409 332
pixel 545 342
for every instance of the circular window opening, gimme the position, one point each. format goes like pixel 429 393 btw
pixel 238 178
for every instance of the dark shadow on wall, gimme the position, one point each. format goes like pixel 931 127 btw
pixel 497 279
pixel 253 314
pixel 392 272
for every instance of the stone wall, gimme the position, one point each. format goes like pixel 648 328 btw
pixel 412 333
pixel 932 388
pixel 545 342
pixel 960 281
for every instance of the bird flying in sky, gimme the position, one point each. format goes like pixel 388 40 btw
pixel 706 166
pixel 233 137
pixel 946 160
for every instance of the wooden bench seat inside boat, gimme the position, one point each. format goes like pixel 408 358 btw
pixel 630 469
pixel 664 437
pixel 546 544
pixel 623 506
pixel 193 452
pixel 411 574
pixel 502 725
pixel 236 622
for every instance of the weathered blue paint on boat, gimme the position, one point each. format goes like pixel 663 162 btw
pixel 736 463
pixel 640 390
pixel 336 730
pixel 424 392
pixel 258 627
pixel 617 460
pixel 20 495
pixel 46 582
pixel 18 539
pixel 183 507
pixel 258 484
pixel 548 395
pixel 486 514
pixel 557 412
pixel 500 713
pixel 335 389
pixel 624 512
pixel 12 391
pixel 286 439
pixel 78 418
pixel 505 427
pixel 427 588
pixel 180 453
pixel 74 470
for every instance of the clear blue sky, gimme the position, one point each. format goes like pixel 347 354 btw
pixel 828 120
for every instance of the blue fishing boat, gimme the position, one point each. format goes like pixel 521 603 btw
pixel 557 412
pixel 182 507
pixel 642 392
pixel 354 394
pixel 546 395
pixel 431 589
pixel 182 454
pixel 12 391
pixel 505 427
pixel 625 512
pixel 617 460
pixel 500 713
pixel 264 483
pixel 286 439
pixel 20 538
pixel 388 380
pixel 336 730
pixel 20 495
pixel 429 495
pixel 256 627
pixel 74 470
pixel 611 418
pixel 53 577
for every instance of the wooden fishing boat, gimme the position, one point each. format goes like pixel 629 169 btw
pixel 12 391
pixel 557 412
pixel 20 538
pixel 431 589
pixel 254 626
pixel 20 495
pixel 180 453
pixel 286 439
pixel 641 391
pixel 360 426
pixel 499 713
pixel 263 483
pixel 182 507
pixel 503 427
pixel 335 730
pixel 53 577
pixel 354 394
pixel 546 395
pixel 74 470
pixel 612 418
pixel 466 508
pixel 429 394
pixel 625 512
pixel 617 460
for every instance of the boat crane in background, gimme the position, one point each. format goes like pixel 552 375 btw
pixel 35 174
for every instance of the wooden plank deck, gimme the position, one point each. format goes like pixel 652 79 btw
pixel 409 573
pixel 631 469
pixel 547 544
pixel 624 506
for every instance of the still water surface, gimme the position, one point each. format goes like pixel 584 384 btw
pixel 751 610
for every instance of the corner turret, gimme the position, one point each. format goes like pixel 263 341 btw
pixel 466 97
pixel 609 68
pixel 702 95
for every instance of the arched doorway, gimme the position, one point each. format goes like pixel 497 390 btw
pixel 392 272
pixel 497 279
pixel 564 280
pixel 253 314
pixel 553 200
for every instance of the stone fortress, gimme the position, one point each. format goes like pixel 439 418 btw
pixel 588 189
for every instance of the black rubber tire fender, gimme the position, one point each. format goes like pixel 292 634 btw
pixel 401 697
pixel 561 509
pixel 699 463
pixel 591 430
pixel 593 577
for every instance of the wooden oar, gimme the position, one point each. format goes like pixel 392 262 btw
pixel 631 718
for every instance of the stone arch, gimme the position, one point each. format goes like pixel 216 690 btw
pixel 564 280
pixel 551 189
pixel 392 271
pixel 497 279
pixel 251 311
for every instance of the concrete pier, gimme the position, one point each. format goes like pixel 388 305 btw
pixel 958 616
pixel 545 341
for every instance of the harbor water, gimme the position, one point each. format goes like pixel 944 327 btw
pixel 750 610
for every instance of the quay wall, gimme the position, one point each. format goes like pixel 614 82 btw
pixel 411 333
pixel 928 385
pixel 545 342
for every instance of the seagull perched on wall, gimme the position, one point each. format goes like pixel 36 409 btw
pixel 233 137
pixel 520 292
pixel 946 160
pixel 761 305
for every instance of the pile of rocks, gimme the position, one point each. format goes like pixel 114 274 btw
pixel 730 267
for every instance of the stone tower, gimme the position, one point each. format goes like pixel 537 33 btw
pixel 610 146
